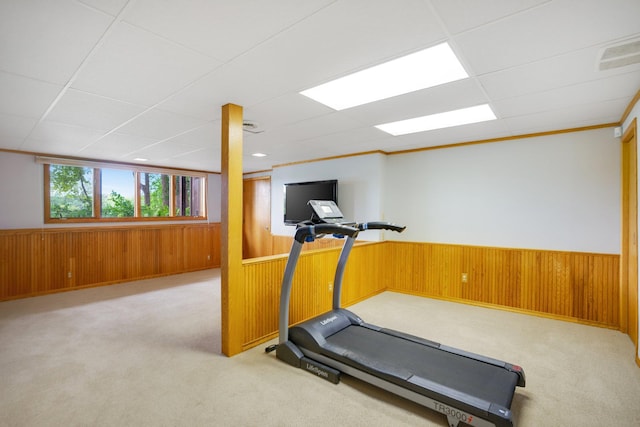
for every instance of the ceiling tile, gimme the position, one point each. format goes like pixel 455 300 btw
pixel 88 110
pixel 112 7
pixel 26 97
pixel 462 15
pixel 602 90
pixel 116 146
pixel 14 130
pixel 547 74
pixel 205 136
pixel 204 99
pixel 207 159
pixel 269 114
pixel 188 22
pixel 577 116
pixel 48 40
pixel 158 124
pixel 308 129
pixel 161 151
pixel 52 137
pixel 139 67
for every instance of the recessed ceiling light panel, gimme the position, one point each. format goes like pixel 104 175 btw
pixel 464 116
pixel 420 70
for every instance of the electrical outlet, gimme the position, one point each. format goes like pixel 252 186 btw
pixel 69 275
pixel 465 277
pixel 208 257
pixel 330 286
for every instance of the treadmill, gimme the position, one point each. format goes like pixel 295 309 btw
pixel 466 387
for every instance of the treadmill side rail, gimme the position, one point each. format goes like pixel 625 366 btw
pixel 323 371
pixel 407 337
pixel 508 366
pixel 290 353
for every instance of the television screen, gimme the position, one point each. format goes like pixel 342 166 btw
pixel 296 196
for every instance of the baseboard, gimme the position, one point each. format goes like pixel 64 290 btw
pixel 512 310
pixel 101 284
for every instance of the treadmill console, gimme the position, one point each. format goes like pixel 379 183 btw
pixel 326 211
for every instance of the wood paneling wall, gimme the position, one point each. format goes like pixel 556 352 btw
pixel 282 244
pixel 571 285
pixel 41 261
pixel 312 286
pixel 575 286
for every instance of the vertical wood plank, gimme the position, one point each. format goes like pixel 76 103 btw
pixel 39 261
pixel 565 284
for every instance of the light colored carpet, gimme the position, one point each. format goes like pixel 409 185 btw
pixel 147 353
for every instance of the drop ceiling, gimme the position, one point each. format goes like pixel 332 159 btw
pixel 121 80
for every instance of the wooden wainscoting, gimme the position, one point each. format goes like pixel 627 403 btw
pixel 282 244
pixel 42 261
pixel 574 286
pixel 311 293
pixel 569 285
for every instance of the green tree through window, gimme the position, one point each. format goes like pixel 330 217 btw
pixel 117 206
pixel 71 193
pixel 116 191
pixel 154 193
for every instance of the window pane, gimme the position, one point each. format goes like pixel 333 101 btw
pixel 117 193
pixel 70 191
pixel 154 194
pixel 189 191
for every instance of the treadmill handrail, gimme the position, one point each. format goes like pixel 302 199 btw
pixel 303 234
pixel 312 231
pixel 381 225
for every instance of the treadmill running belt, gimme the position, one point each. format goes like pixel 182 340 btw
pixel 397 358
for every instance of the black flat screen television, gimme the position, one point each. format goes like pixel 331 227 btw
pixel 297 194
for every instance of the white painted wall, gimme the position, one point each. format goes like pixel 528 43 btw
pixel 360 180
pixel 22 194
pixel 559 192
pixel 22 204
pixel 635 114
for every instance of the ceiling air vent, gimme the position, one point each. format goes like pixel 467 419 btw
pixel 251 127
pixel 620 55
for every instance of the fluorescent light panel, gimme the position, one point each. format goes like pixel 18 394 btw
pixel 464 116
pixel 427 68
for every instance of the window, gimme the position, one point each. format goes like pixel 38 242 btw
pixel 117 198
pixel 155 193
pixel 77 191
pixel 188 195
pixel 71 192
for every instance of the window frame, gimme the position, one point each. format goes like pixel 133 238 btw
pixel 97 191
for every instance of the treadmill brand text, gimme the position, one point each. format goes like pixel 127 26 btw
pixel 319 372
pixel 452 412
pixel 328 320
